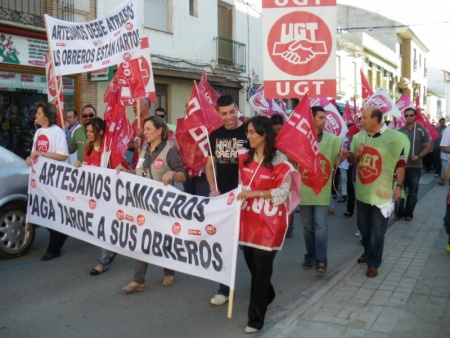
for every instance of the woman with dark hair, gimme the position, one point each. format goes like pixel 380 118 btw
pixel 156 151
pixel 49 141
pixel 95 129
pixel 266 176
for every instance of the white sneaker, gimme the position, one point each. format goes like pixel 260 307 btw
pixel 250 330
pixel 358 234
pixel 219 300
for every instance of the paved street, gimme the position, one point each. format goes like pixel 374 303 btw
pixel 59 298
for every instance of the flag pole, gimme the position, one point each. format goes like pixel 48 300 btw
pixel 213 166
pixel 234 259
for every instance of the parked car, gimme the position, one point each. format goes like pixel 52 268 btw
pixel 16 235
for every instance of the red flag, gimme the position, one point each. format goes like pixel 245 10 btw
pixel 208 91
pixel 145 64
pixel 422 119
pixel 348 114
pixel 298 140
pixel 117 130
pixel 365 88
pixel 55 87
pixel 193 132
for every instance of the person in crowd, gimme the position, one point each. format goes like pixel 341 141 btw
pixel 155 148
pixel 378 153
pixel 71 125
pixel 278 122
pixel 50 142
pixel 447 210
pixel 226 143
pixel 437 147
pixel 420 146
pixel 95 129
pixel 262 160
pixel 445 153
pixel 137 137
pixel 79 141
pixel 314 207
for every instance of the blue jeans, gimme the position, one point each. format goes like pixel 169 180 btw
pixel 412 177
pixel 372 225
pixel 291 222
pixel 315 232
pixel 103 257
pixel 444 164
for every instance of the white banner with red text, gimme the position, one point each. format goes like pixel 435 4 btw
pixel 80 47
pixel 137 217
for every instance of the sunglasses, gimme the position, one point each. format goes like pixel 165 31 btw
pixel 162 116
pixel 88 115
pixel 409 115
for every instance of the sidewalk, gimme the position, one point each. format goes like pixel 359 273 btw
pixel 409 298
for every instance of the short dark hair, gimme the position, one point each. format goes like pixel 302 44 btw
pixel 161 109
pixel 442 119
pixel 378 114
pixel 75 113
pixel 49 111
pixel 277 119
pixel 225 100
pixel 410 109
pixel 316 109
pixel 89 106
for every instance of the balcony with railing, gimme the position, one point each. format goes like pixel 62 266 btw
pixel 231 54
pixel 31 12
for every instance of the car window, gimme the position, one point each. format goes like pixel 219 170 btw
pixel 8 158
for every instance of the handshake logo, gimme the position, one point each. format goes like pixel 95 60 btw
pixel 298 44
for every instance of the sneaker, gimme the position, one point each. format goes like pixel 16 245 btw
pixel 289 234
pixel 307 264
pixel 250 330
pixel 321 268
pixel 219 299
pixel 358 234
pixel 448 247
pixel 441 182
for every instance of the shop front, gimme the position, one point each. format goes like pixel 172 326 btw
pixel 22 84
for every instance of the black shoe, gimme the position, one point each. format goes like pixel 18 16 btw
pixel 308 264
pixel 48 256
pixel 289 234
pixel 321 268
pixel 98 272
pixel 347 214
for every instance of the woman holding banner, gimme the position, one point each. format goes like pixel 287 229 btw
pixel 159 161
pixel 268 178
pixel 95 129
pixel 50 142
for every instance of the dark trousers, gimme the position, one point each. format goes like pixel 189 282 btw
pixel 437 161
pixel 372 225
pixel 411 183
pixel 447 220
pixel 56 243
pixel 350 191
pixel 262 293
pixel 427 161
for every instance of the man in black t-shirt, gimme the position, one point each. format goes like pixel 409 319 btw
pixel 226 143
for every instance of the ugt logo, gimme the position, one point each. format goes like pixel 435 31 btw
pixel 299 43
pixel 369 165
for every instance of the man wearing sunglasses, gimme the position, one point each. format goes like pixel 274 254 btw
pixel 79 141
pixel 420 147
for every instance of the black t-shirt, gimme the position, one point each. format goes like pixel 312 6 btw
pixel 225 146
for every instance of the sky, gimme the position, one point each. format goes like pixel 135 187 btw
pixel 429 20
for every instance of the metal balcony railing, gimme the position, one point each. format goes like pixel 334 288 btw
pixel 31 12
pixel 231 54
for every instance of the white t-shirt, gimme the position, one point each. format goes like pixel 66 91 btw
pixel 445 142
pixel 50 140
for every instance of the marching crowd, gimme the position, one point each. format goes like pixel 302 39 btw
pixel 380 170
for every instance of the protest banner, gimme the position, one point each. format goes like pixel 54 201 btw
pixel 335 123
pixel 55 93
pixel 79 47
pixel 137 217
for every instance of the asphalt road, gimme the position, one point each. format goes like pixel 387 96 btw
pixel 59 298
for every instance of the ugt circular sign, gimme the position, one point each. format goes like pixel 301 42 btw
pixel 299 43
